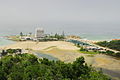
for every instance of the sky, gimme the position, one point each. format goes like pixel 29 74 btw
pixel 59 14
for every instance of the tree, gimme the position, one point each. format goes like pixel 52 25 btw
pixel 21 34
pixel 82 49
pixel 29 67
pixel 15 76
pixel 117 54
pixel 11 51
pixel 3 53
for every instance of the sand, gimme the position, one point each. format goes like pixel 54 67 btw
pixel 65 51
pixel 68 52
pixel 41 45
pixel 65 55
pixel 106 62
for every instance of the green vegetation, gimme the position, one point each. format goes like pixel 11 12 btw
pixel 50 47
pixel 29 67
pixel 21 34
pixel 54 37
pixel 89 52
pixel 21 37
pixel 83 50
pixel 107 52
pixel 57 36
pixel 90 55
pixel 14 38
pixel 114 44
pixel 11 52
pixel 111 53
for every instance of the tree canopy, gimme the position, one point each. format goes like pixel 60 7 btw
pixel 114 44
pixel 29 67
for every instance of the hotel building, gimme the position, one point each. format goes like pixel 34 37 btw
pixel 39 33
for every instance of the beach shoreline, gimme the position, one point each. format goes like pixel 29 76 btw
pixel 67 52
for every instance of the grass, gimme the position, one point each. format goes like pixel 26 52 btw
pixel 88 52
pixel 50 47
pixel 14 38
pixel 90 55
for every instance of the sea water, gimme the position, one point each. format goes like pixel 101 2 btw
pixel 4 41
pixel 90 31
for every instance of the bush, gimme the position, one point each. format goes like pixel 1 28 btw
pixel 114 44
pixel 82 49
pixel 117 54
pixel 28 67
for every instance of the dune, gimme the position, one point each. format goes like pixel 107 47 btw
pixel 41 45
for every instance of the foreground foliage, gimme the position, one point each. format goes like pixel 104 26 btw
pixel 29 67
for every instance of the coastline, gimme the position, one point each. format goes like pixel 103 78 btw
pixel 4 41
pixel 67 52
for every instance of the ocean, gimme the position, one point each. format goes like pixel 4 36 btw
pixel 86 31
pixel 4 41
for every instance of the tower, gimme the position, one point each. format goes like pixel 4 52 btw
pixel 39 33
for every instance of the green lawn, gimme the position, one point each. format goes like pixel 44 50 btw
pixel 88 52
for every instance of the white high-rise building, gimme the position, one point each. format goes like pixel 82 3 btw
pixel 39 33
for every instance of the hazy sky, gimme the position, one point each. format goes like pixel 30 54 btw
pixel 26 13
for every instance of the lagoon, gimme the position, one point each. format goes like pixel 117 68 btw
pixel 43 55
